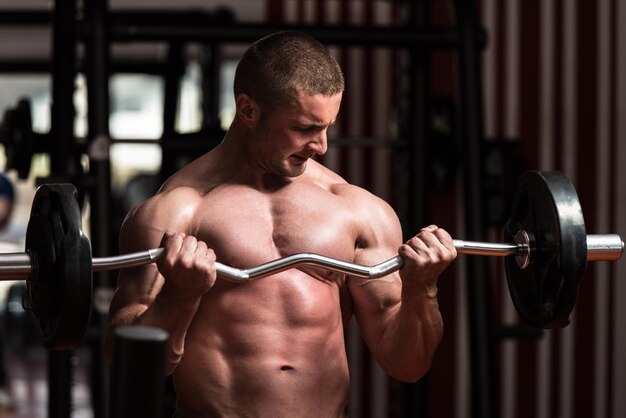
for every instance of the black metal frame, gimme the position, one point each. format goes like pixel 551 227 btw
pixel 62 127
pixel 168 26
pixel 478 280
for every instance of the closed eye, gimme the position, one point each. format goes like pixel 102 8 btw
pixel 311 128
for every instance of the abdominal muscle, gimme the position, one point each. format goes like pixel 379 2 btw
pixel 269 348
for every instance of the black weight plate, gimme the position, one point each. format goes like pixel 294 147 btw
pixel 547 206
pixel 60 287
pixel 41 288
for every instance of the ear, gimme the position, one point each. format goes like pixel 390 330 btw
pixel 248 110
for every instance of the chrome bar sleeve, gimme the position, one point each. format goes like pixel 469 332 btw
pixel 15 266
pixel 487 248
pixel 604 247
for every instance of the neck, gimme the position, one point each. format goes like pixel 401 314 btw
pixel 234 164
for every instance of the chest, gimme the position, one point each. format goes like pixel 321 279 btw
pixel 247 228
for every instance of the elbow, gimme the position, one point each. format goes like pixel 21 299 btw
pixel 172 361
pixel 169 368
pixel 173 358
pixel 410 374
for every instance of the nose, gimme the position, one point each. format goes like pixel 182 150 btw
pixel 319 144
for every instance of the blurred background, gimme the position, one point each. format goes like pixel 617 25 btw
pixel 446 104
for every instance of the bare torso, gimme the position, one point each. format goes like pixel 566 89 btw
pixel 273 347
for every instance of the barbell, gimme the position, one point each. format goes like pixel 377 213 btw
pixel 547 251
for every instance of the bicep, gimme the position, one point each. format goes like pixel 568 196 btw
pixel 375 300
pixel 137 287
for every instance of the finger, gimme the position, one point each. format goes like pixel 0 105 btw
pixel 204 252
pixel 201 248
pixel 444 237
pixel 429 238
pixel 210 255
pixel 435 236
pixel 416 249
pixel 166 237
pixel 418 242
pixel 188 249
pixel 210 259
pixel 173 242
pixel 430 228
pixel 432 246
pixel 418 256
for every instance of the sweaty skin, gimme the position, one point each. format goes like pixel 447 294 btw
pixel 275 347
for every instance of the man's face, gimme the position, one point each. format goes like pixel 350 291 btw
pixel 286 137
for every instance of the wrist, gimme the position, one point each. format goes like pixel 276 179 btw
pixel 422 302
pixel 419 289
pixel 175 299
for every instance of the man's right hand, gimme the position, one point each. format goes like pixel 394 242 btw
pixel 188 267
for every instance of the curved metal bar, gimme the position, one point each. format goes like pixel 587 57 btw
pixel 315 260
pixel 267 269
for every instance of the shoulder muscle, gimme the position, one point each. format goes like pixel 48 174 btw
pixel 168 211
pixel 377 221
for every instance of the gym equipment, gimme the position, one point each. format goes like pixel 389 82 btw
pixel 60 283
pixel 544 282
pixel 138 372
pixel 546 254
pixel 18 138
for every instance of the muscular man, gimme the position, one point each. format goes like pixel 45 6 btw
pixel 275 347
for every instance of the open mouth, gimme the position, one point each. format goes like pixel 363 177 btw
pixel 298 159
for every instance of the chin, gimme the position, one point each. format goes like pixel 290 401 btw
pixel 294 171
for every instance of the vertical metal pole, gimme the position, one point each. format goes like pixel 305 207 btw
pixel 471 129
pixel 97 64
pixel 174 70
pixel 211 87
pixel 413 396
pixel 62 164
pixel 416 108
pixel 62 161
pixel 138 372
pixel 59 383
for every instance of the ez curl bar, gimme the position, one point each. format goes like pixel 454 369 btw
pixel 547 254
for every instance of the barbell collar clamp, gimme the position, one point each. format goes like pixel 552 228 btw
pixel 526 240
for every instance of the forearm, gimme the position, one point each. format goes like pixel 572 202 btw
pixel 411 336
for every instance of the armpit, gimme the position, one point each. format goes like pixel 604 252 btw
pixel 345 298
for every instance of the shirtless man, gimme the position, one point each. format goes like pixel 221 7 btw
pixel 275 347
